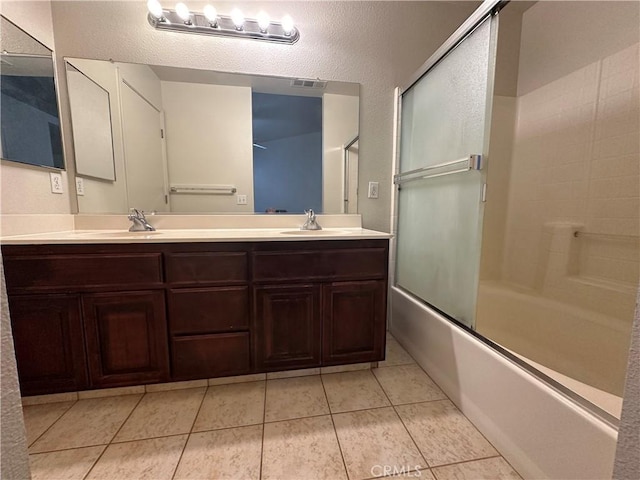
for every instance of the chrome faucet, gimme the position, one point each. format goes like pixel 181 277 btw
pixel 311 223
pixel 140 223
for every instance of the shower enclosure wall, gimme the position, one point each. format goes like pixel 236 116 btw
pixel 560 254
pixel 547 267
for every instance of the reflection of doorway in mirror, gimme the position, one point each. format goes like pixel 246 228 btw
pixel 142 127
pixel 350 192
pixel 287 153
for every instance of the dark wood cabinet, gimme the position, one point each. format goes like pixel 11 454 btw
pixel 126 336
pixel 49 343
pixel 209 305
pixel 353 322
pixel 105 315
pixel 319 303
pixel 288 326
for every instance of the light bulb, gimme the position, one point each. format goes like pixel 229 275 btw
pixel 287 24
pixel 237 18
pixel 183 12
pixel 263 21
pixel 211 14
pixel 155 9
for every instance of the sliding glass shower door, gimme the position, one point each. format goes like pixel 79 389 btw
pixel 443 141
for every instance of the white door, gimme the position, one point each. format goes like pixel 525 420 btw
pixel 143 152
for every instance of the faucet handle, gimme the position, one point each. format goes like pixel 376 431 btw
pixel 310 214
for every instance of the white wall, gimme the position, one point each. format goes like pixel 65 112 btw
pixel 27 189
pixel 340 115
pixel 103 196
pixel 334 45
pixel 209 142
pixel 575 33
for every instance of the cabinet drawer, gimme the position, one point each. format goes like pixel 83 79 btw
pixel 208 310
pixel 206 267
pixel 207 356
pixel 62 272
pixel 320 264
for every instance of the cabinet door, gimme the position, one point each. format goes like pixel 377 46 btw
pixel 126 338
pixel 208 356
pixel 49 344
pixel 287 321
pixel 353 322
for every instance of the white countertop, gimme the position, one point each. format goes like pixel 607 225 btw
pixel 192 235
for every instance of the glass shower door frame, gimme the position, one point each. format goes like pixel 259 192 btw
pixel 448 166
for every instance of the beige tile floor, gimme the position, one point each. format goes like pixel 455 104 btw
pixel 352 425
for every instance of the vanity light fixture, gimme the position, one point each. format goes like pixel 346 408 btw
pixel 237 18
pixel 211 23
pixel 183 12
pixel 155 10
pixel 211 15
pixel 263 22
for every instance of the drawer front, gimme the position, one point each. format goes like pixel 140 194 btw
pixel 206 267
pixel 320 265
pixel 60 272
pixel 208 310
pixel 208 356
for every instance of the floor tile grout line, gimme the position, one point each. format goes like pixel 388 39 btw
pixel 264 417
pixel 335 430
pixel 71 448
pixel 204 396
pixel 50 426
pixel 114 435
pixel 434 473
pixel 190 432
pixel 402 422
pixel 315 415
pixel 128 417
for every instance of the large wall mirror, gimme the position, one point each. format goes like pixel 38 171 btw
pixel 197 141
pixel 29 120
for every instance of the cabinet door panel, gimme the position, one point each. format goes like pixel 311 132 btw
pixel 208 356
pixel 126 338
pixel 208 310
pixel 353 322
pixel 287 320
pixel 49 344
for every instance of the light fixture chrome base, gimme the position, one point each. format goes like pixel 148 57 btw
pixel 223 26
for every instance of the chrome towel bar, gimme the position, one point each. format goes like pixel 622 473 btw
pixel 472 162
pixel 204 189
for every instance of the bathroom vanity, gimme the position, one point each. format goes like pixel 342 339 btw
pixel 113 313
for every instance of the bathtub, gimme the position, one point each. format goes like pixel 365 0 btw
pixel 586 346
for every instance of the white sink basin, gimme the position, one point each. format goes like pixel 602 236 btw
pixel 313 233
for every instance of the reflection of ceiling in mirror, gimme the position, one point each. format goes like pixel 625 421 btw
pixel 259 83
pixel 16 40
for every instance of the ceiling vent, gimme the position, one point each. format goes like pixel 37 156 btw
pixel 308 83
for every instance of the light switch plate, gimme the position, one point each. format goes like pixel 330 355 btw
pixel 241 199
pixel 79 186
pixel 373 190
pixel 56 182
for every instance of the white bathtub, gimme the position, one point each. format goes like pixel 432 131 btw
pixel 584 345
pixel 540 432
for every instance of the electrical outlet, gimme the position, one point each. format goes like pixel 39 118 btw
pixel 79 186
pixel 373 190
pixel 56 182
pixel 241 199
